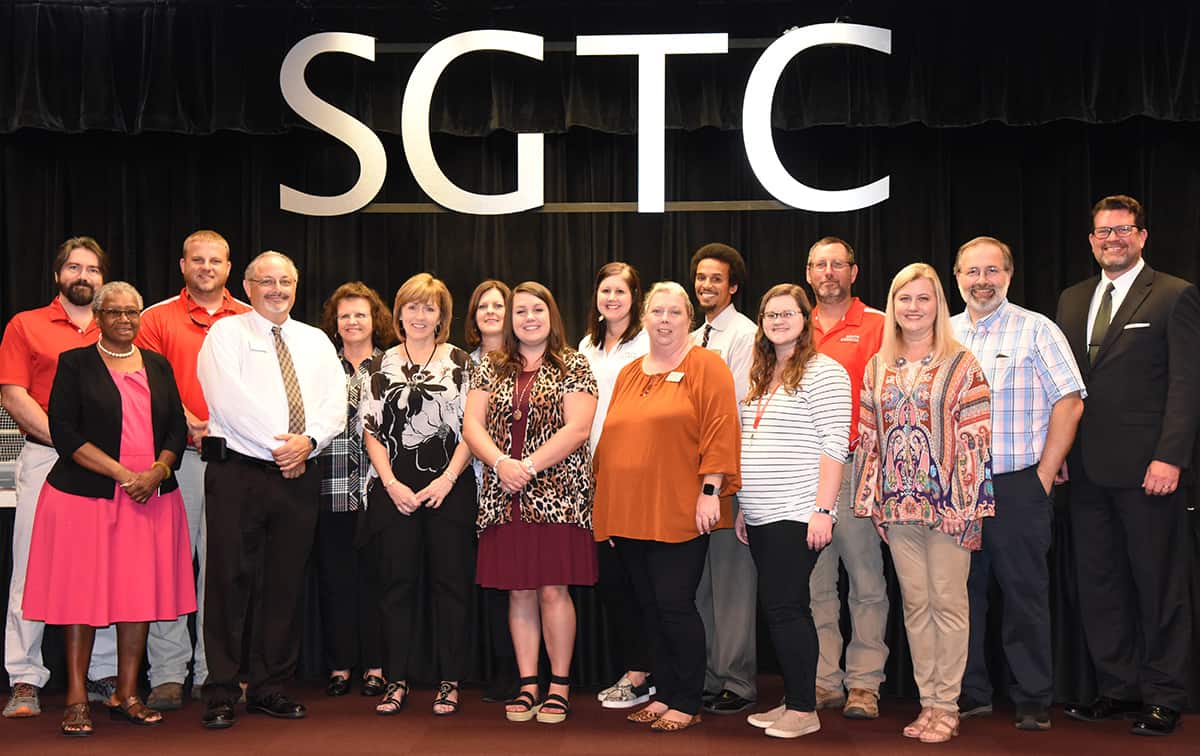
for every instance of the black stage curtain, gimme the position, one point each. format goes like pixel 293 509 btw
pixel 201 66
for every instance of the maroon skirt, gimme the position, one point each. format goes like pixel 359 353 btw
pixel 521 556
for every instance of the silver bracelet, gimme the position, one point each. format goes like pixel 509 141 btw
pixel 449 476
pixel 528 463
pixel 496 464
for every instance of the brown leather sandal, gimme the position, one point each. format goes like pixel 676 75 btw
pixel 943 727
pixel 133 711
pixel 77 721
pixel 914 728
pixel 644 716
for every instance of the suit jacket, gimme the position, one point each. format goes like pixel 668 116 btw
pixel 85 405
pixel 1143 392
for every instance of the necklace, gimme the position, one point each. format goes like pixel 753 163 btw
pixel 413 362
pixel 901 362
pixel 117 355
pixel 523 394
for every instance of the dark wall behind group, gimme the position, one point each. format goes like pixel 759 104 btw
pixel 137 122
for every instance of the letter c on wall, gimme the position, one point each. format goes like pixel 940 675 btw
pixel 756 118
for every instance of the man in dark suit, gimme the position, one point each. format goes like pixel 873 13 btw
pixel 1135 333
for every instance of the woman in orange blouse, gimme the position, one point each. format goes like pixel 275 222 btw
pixel 667 467
pixel 924 476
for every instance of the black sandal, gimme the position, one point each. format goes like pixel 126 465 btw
pixel 523 698
pixel 389 705
pixel 554 707
pixel 133 711
pixel 443 699
pixel 373 685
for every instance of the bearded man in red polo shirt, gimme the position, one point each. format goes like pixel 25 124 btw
pixel 850 332
pixel 33 340
pixel 175 328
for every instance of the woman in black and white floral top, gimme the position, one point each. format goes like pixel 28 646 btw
pixel 420 503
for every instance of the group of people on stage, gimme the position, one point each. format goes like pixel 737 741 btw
pixel 687 472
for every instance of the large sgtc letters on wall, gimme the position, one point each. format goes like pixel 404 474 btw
pixel 651 51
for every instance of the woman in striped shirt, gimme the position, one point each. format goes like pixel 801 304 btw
pixel 795 437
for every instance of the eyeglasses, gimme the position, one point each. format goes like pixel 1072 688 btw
pixel 785 314
pixel 119 314
pixel 838 265
pixel 990 271
pixel 1103 232
pixel 271 283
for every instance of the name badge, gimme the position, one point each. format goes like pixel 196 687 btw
pixel 1137 325
pixel 259 347
pixel 850 338
pixel 675 376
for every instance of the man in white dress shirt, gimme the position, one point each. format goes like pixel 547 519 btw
pixel 727 593
pixel 276 395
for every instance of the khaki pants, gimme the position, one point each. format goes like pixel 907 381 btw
pixel 856 544
pixel 932 570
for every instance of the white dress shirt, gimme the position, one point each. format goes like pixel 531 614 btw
pixel 239 372
pixel 732 337
pixel 1121 286
pixel 606 366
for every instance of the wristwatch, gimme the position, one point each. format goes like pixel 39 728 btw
pixel 708 489
pixel 312 441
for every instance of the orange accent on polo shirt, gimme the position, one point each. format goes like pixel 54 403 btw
pixel 33 340
pixel 853 341
pixel 175 328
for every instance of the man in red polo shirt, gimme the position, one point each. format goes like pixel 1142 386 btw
pixel 33 340
pixel 175 328
pixel 850 332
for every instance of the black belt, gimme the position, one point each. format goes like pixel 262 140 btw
pixel 246 459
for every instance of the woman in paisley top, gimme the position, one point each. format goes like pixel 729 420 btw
pixel 528 418
pixel 359 324
pixel 924 475
pixel 420 503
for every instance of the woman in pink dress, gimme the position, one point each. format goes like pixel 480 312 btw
pixel 110 538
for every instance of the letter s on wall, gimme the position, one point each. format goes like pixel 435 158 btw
pixel 372 159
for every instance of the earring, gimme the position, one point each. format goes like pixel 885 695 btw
pixel 437 329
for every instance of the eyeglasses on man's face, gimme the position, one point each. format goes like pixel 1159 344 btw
pixel 821 265
pixel 1103 232
pixel 990 271
pixel 273 283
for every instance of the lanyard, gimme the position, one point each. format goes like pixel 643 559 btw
pixel 761 409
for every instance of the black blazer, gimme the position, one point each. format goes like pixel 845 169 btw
pixel 1143 392
pixel 85 405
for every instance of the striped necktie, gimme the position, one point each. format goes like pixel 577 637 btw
pixel 707 332
pixel 291 386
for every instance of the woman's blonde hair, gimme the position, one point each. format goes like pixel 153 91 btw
pixel 425 289
pixel 668 287
pixel 944 343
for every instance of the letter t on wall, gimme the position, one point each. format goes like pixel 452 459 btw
pixel 652 51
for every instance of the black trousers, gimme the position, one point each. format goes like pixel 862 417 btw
pixel 625 625
pixel 665 577
pixel 349 610
pixel 1016 544
pixel 1133 560
pixel 784 563
pixel 393 566
pixel 260 533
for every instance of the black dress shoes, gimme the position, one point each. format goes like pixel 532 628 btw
pixel 338 685
pixel 728 702
pixel 1102 708
pixel 218 716
pixel 276 705
pixel 1155 720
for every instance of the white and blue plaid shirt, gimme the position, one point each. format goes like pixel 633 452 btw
pixel 1029 366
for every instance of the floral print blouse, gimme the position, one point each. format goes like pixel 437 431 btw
pixel 925 445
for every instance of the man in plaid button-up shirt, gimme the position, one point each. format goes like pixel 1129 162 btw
pixel 1037 400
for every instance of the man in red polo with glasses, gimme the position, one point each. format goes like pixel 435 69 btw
pixel 175 328
pixel 33 340
pixel 850 332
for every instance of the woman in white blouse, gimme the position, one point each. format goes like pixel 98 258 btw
pixel 795 435
pixel 614 339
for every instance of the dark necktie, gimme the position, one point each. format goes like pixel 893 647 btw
pixel 707 331
pixel 291 386
pixel 1100 325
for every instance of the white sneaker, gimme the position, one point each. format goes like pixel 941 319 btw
pixel 805 725
pixel 612 688
pixel 765 719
